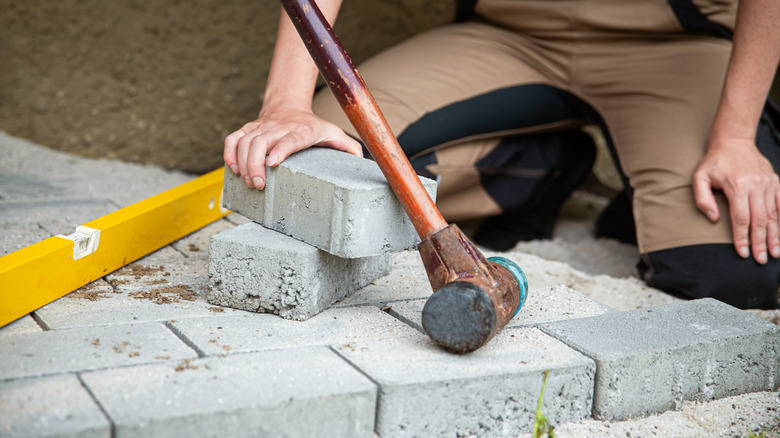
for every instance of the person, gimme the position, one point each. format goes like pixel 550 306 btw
pixel 492 104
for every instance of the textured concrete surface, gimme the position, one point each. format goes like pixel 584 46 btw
pixel 425 391
pixel 88 348
pixel 258 269
pixel 56 406
pixel 25 324
pixel 243 332
pixel 728 418
pixel 152 312
pixel 293 393
pixel 165 285
pixel 543 305
pixel 70 189
pixel 335 201
pixel 651 360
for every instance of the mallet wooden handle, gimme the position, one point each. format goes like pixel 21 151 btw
pixel 364 114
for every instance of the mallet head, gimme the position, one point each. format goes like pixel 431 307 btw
pixel 474 297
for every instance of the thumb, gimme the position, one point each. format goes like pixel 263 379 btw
pixel 705 200
pixel 337 139
pixel 346 144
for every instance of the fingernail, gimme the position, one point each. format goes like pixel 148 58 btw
pixel 711 215
pixel 761 258
pixel 744 252
pixel 248 181
pixel 234 168
pixel 259 183
pixel 775 251
pixel 272 160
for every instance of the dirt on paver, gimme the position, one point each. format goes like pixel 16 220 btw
pixel 186 364
pixel 167 295
pixel 92 291
pixel 137 271
pixel 90 295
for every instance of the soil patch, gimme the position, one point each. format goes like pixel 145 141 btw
pixel 138 271
pixel 160 82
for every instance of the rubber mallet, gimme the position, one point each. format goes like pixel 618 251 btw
pixel 473 297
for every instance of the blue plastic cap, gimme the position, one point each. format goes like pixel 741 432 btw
pixel 517 273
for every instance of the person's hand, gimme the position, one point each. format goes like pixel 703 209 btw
pixel 752 189
pixel 277 135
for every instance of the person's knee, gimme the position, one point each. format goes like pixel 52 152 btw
pixel 713 271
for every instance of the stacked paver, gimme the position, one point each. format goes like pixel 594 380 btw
pixel 324 226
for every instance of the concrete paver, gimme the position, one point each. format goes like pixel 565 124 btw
pixel 425 391
pixel 57 406
pixel 162 286
pixel 557 303
pixel 236 333
pixel 15 236
pixel 618 293
pixel 308 392
pixel 25 324
pixel 337 202
pixel 727 418
pixel 57 216
pixel 88 348
pixel 196 245
pixel 543 305
pixel 99 304
pixel 68 176
pixel 651 360
pixel 409 281
pixel 261 270
pixel 42 189
pixel 166 268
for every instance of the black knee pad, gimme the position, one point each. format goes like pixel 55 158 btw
pixel 713 271
pixel 532 178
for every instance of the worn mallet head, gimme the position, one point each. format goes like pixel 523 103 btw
pixel 474 297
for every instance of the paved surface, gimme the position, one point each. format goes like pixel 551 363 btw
pixel 141 353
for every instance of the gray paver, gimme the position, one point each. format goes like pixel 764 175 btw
pixel 254 332
pixel 44 192
pixel 57 406
pixel 425 391
pixel 162 286
pixel 15 235
pixel 25 187
pixel 542 305
pixel 164 268
pixel 650 360
pixel 99 304
pixel 618 293
pixel 88 348
pixel 335 201
pixel 196 245
pixel 408 281
pixel 25 324
pixel 60 216
pixel 292 393
pixel 258 269
pixel 557 303
pixel 72 177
